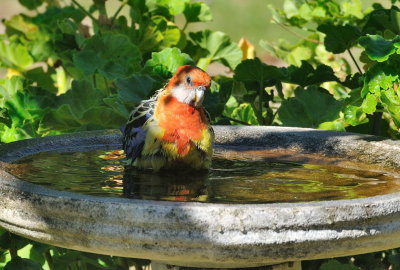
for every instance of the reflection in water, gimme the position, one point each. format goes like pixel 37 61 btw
pixel 236 176
pixel 165 186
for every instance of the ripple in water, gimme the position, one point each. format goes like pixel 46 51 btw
pixel 236 176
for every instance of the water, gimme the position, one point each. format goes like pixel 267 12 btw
pixel 246 176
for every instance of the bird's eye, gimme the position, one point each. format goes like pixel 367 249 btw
pixel 189 80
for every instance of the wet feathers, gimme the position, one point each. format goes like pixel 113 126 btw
pixel 171 130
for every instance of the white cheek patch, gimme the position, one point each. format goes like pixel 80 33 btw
pixel 183 95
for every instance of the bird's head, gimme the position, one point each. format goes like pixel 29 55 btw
pixel 189 84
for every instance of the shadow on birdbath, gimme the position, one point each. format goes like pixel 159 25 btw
pixel 216 226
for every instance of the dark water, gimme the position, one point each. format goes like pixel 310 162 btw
pixel 251 176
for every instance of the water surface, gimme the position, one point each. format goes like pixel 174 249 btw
pixel 236 176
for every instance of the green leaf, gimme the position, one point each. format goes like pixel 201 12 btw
pixel 18 263
pixel 354 115
pixel 309 108
pixel 37 252
pixel 318 12
pixel 212 101
pixel 174 6
pixel 335 265
pixel 290 8
pixel 173 37
pixel 353 8
pixel 15 55
pixel 135 88
pixel 256 74
pixel 218 47
pixel 9 87
pixel 377 48
pixel 353 81
pixel 197 12
pixel 67 26
pixel 391 101
pixel 102 117
pixel 296 56
pixel 5 239
pixel 305 12
pixel 245 113
pixel 31 4
pixel 394 260
pixel 23 25
pixel 115 102
pixel 83 108
pixel 306 75
pixel 24 103
pixel 81 97
pixel 159 33
pixel 88 61
pixel 390 97
pixel 10 135
pixel 42 79
pixel 49 18
pixel 62 119
pixel 23 32
pixel 76 260
pixel 333 125
pixel 338 43
pixel 381 76
pixel 369 104
pixel 113 54
pixel 5 117
pixel 225 86
pixel 381 20
pixel 166 62
pixel 9 240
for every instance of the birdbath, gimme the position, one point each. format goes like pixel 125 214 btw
pixel 208 235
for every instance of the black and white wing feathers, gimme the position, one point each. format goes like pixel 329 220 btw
pixel 134 135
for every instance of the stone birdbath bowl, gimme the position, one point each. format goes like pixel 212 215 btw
pixel 207 235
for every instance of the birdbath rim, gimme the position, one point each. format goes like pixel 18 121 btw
pixel 207 234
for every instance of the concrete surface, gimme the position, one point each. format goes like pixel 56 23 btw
pixel 202 234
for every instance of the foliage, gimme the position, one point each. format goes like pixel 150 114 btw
pixel 71 69
pixel 119 60
pixel 362 100
pixel 23 254
pixel 67 76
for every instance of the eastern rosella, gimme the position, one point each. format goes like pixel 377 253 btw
pixel 171 129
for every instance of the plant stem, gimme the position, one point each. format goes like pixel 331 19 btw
pixel 13 252
pixel 49 259
pixel 259 114
pixel 13 247
pixel 118 11
pixel 94 81
pixel 296 34
pixel 184 27
pixel 106 84
pixel 236 120
pixel 377 123
pixel 355 62
pixel 85 11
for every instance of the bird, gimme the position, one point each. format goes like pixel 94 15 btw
pixel 172 130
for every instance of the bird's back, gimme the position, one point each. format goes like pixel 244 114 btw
pixel 134 132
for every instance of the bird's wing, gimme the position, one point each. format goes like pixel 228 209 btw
pixel 134 133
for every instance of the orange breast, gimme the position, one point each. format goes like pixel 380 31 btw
pixel 182 123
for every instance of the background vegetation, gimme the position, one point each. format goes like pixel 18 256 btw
pixel 73 66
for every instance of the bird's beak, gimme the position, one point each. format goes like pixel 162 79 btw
pixel 199 96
